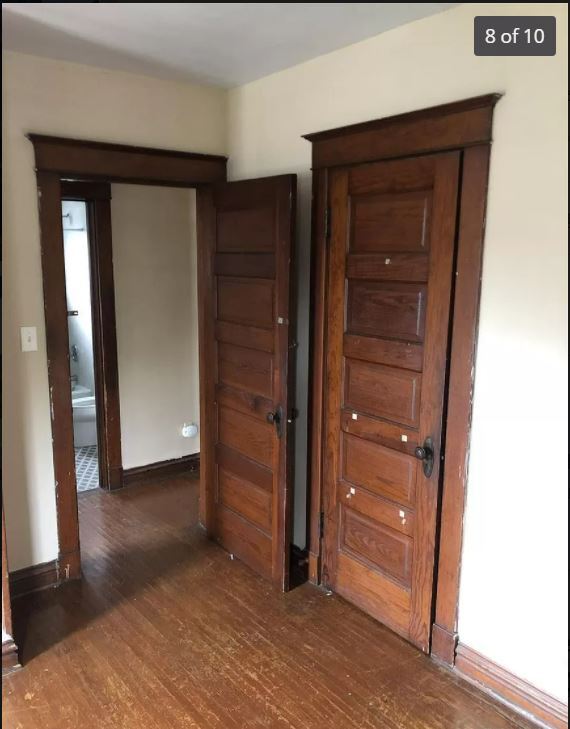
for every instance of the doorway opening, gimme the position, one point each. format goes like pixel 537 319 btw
pixel 153 232
pixel 80 332
pixel 131 293
pixel 245 331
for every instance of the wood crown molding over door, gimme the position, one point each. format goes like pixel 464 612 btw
pixel 464 129
pixel 87 160
pixel 60 159
pixel 246 245
pixel 448 126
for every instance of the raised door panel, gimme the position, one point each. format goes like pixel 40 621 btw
pixel 383 471
pixel 390 221
pixel 386 309
pixel 246 301
pixel 386 392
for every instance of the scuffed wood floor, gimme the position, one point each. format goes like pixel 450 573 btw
pixel 166 631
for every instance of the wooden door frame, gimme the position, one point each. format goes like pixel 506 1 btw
pixel 57 160
pixel 97 197
pixel 465 126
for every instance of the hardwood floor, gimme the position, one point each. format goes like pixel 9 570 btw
pixel 166 631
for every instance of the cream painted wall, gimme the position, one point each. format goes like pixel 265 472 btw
pixel 513 589
pixel 156 304
pixel 65 99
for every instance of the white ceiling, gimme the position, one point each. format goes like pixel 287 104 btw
pixel 225 44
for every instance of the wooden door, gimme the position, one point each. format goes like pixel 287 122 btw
pixel 390 274
pixel 246 244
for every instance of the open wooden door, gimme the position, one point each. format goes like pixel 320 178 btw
pixel 245 248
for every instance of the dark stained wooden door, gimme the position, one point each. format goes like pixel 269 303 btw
pixel 390 274
pixel 246 239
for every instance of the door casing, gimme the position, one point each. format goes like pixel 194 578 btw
pixel 97 198
pixel 59 160
pixel 464 126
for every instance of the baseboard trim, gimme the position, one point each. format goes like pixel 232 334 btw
pixel 34 578
pixel 115 478
pixel 10 660
pixel 443 644
pixel 161 469
pixel 511 689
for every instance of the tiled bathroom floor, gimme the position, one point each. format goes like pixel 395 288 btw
pixel 87 468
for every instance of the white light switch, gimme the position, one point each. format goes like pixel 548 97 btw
pixel 29 339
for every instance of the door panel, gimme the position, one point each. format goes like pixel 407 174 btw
pixel 382 391
pixel 386 309
pixel 383 471
pixel 390 222
pixel 380 546
pixel 244 497
pixel 246 369
pixel 246 301
pixel 246 251
pixel 389 293
pixel 244 434
pixel 244 229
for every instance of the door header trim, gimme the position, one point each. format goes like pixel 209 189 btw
pixel 86 159
pixel 437 128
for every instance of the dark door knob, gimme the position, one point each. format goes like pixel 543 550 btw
pixel 276 419
pixel 426 454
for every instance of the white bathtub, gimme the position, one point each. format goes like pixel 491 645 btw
pixel 84 420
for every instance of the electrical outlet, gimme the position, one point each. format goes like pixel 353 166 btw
pixel 189 430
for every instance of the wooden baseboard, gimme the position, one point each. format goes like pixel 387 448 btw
pixel 36 577
pixel 520 694
pixel 69 565
pixel 115 478
pixel 443 644
pixel 10 660
pixel 162 469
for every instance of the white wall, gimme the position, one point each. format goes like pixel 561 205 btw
pixel 65 99
pixel 156 304
pixel 513 590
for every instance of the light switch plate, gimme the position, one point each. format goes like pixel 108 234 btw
pixel 29 339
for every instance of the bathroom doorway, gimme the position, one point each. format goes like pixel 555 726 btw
pixel 80 332
pixel 92 348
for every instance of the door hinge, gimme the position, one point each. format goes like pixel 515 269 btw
pixel 321 524
pixel 328 223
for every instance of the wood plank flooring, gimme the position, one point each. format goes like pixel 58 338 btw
pixel 166 631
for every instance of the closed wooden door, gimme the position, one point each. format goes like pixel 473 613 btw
pixel 389 289
pixel 246 242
